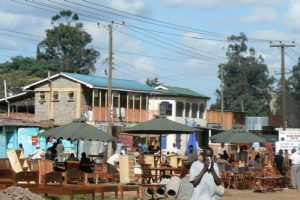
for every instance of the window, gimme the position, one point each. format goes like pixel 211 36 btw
pixel 103 98
pixel 194 110
pixel 71 96
pixel 55 96
pixel 201 110
pixel 144 102
pixel 187 109
pixel 137 101
pixel 130 96
pixel 116 99
pixel 42 97
pixel 179 109
pixel 165 108
pixel 96 97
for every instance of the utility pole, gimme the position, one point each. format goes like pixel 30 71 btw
pixel 109 99
pixel 282 46
pixel 5 95
pixel 222 96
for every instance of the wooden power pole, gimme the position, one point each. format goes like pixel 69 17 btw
pixel 283 82
pixel 109 91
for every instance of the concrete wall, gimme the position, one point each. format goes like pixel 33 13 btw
pixel 64 110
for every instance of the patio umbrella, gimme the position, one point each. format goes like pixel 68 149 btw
pixel 159 126
pixel 78 131
pixel 236 136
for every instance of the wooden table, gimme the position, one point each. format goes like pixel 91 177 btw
pixel 128 187
pixel 62 190
pixel 162 171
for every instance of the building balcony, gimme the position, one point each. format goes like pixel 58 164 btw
pixel 120 114
pixel 17 115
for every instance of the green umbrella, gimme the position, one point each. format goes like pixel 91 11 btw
pixel 159 126
pixel 236 136
pixel 78 131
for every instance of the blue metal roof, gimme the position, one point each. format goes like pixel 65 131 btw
pixel 101 82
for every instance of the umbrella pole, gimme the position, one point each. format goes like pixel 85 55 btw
pixel 160 148
pixel 77 148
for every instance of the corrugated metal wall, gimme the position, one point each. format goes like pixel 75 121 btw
pixel 256 123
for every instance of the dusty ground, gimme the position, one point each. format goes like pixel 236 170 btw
pixel 286 194
pixel 230 194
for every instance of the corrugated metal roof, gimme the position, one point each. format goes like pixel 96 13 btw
pixel 121 84
pixel 177 91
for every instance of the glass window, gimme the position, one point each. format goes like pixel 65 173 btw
pixel 187 109
pixel 130 96
pixel 42 97
pixel 55 96
pixel 71 96
pixel 179 109
pixel 137 101
pixel 103 99
pixel 96 97
pixel 165 108
pixel 201 110
pixel 194 110
pixel 123 99
pixel 144 102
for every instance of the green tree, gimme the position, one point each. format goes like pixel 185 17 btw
pixel 152 82
pixel 246 83
pixel 292 97
pixel 66 46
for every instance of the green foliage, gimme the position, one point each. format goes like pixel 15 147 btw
pixel 15 80
pixel 66 46
pixel 246 82
pixel 152 82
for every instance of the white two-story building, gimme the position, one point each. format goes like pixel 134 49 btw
pixel 181 105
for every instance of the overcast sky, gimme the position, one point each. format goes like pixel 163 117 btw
pixel 182 45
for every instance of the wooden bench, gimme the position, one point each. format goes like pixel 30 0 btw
pixel 62 190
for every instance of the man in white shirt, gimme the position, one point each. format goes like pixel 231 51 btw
pixel 38 153
pixel 205 176
pixel 174 149
pixel 295 169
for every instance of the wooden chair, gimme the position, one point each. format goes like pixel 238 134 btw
pixel 7 177
pixel 5 164
pixel 45 166
pixel 147 176
pixel 53 178
pixel 27 178
pixel 74 176
pixel 72 165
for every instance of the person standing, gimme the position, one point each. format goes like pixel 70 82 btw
pixel 60 151
pixel 295 169
pixel 174 149
pixel 205 176
pixel 192 157
pixel 279 164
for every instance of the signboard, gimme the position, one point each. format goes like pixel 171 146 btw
pixel 34 140
pixel 288 140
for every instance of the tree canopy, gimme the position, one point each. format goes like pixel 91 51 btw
pixel 247 85
pixel 63 50
pixel 66 45
pixel 153 82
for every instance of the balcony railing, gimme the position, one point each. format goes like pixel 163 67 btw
pixel 17 115
pixel 120 114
